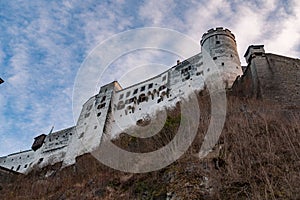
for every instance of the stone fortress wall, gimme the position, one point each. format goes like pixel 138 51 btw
pixel 114 109
pixel 270 77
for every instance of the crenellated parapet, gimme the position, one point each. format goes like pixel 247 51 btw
pixel 216 32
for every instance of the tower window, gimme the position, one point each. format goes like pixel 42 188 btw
pixel 214 58
pixel 142 88
pixel 222 64
pixel 128 94
pixel 135 91
pixel 217 42
pixel 101 106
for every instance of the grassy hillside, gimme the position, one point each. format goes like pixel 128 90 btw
pixel 257 157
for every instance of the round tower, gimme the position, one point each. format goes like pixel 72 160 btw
pixel 220 46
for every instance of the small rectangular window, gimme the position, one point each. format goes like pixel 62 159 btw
pixel 164 78
pixel 199 73
pixel 143 88
pixel 135 91
pixel 214 58
pixel 101 106
pixel 150 85
pixel 128 101
pixel 128 94
pixel 121 96
pixel 217 42
pixel 89 107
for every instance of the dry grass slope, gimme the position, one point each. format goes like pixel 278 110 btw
pixel 257 157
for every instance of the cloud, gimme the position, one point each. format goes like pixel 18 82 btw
pixel 286 37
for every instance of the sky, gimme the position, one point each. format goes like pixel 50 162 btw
pixel 43 45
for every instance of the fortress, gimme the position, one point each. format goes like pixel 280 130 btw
pixel 115 109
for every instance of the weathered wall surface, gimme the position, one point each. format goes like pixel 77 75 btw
pixel 19 162
pixel 243 85
pixel 271 77
pixel 279 80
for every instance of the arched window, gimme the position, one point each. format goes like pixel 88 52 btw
pixel 149 94
pixel 142 98
pixel 155 92
pixel 163 94
pixel 161 88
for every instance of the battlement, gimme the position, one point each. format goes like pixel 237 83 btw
pixel 217 31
